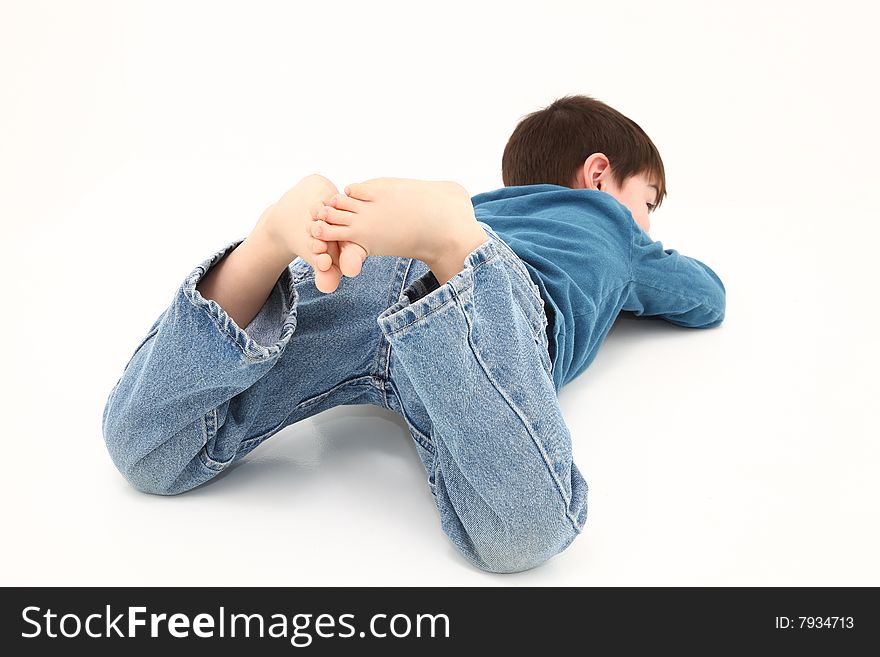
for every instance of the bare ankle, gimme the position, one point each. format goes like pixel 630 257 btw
pixel 451 260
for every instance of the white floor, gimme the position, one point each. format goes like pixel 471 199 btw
pixel 741 455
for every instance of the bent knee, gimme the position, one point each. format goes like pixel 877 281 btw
pixel 146 481
pixel 517 553
pixel 164 479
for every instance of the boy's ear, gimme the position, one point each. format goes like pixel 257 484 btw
pixel 595 171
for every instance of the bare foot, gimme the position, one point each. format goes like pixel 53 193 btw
pixel 348 256
pixel 432 221
pixel 289 221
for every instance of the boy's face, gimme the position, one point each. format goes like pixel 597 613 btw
pixel 638 194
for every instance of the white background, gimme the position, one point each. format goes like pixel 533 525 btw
pixel 137 138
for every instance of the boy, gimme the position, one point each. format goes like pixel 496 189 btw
pixel 465 316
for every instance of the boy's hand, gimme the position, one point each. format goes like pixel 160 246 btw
pixel 427 220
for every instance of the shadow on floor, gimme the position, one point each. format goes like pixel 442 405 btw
pixel 336 444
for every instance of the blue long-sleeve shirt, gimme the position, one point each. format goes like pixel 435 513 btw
pixel 591 260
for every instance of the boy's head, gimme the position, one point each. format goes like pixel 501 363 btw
pixel 582 143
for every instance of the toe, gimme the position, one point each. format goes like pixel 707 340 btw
pixel 328 281
pixel 361 191
pixel 329 232
pixel 334 216
pixel 323 261
pixel 351 259
pixel 343 202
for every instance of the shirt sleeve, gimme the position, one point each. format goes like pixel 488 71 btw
pixel 672 286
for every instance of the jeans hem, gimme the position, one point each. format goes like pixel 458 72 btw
pixel 424 295
pixel 252 350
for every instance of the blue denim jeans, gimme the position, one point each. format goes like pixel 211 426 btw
pixel 466 364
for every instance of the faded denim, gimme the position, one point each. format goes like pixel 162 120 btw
pixel 466 364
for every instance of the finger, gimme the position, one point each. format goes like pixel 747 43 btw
pixel 362 191
pixel 329 232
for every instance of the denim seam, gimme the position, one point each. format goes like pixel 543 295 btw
pixel 210 430
pixel 386 375
pixel 421 438
pixel 152 332
pixel 536 322
pixel 424 440
pixel 539 322
pixel 520 415
pixel 517 264
pixel 356 380
pixel 202 453
pixel 507 253
pixel 535 297
pixel 393 296
pixel 444 304
pixel 213 464
pixel 534 318
pixel 207 433
pixel 245 444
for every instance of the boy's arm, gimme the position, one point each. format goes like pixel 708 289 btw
pixel 679 289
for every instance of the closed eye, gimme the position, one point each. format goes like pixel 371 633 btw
pixel 651 207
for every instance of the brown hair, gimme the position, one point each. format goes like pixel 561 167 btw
pixel 549 145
